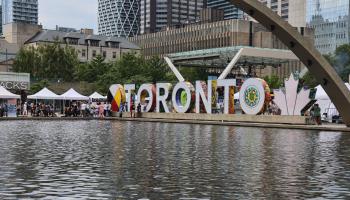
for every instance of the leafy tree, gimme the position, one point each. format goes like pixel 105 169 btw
pixel 47 61
pixel 194 73
pixel 156 69
pixel 36 87
pixel 91 71
pixel 273 81
pixel 309 80
pixel 342 61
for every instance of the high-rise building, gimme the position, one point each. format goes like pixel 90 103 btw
pixel 158 14
pixel 230 11
pixel 281 7
pixel 22 11
pixel 0 19
pixel 118 18
pixel 293 11
pixel 330 20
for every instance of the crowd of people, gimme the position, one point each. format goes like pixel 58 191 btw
pixel 91 109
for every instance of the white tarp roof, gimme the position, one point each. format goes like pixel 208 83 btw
pixel 5 94
pixel 71 94
pixel 45 94
pixel 322 95
pixel 97 95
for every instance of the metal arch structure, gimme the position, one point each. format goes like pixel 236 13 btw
pixel 304 50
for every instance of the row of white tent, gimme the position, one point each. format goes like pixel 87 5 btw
pixel 71 94
pixel 46 94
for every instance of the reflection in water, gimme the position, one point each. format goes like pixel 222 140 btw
pixel 133 160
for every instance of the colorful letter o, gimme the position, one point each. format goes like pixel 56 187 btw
pixel 182 97
pixel 252 96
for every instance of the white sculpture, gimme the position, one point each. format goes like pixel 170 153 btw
pixel 289 100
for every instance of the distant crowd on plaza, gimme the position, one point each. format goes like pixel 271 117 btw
pixel 74 109
pixel 83 109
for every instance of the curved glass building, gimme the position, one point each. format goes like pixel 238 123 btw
pixel 330 20
pixel 120 18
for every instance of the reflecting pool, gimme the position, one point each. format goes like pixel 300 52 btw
pixel 136 160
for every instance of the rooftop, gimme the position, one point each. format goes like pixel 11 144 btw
pixel 53 35
pixel 220 57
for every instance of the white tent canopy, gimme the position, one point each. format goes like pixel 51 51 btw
pixel 5 94
pixel 322 95
pixel 97 95
pixel 71 94
pixel 325 102
pixel 45 94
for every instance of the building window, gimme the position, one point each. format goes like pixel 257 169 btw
pixel 83 53
pixel 114 54
pixel 94 53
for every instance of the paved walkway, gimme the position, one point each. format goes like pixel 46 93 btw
pixel 324 127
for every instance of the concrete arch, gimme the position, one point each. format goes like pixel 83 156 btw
pixel 305 51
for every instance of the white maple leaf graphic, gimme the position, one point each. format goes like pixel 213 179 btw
pixel 289 100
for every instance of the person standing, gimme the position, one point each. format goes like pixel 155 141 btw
pixel 25 111
pixel 317 114
pixel 105 106
pixel 132 109
pixel 139 110
pixel 101 110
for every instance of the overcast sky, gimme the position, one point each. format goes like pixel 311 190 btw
pixel 68 13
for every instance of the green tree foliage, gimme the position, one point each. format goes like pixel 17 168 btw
pixel 309 80
pixel 194 73
pixel 47 61
pixel 341 61
pixel 132 68
pixel 36 87
pixel 91 71
pixel 273 81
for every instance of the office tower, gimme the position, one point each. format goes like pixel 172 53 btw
pixel 158 14
pixel 281 7
pixel 230 11
pixel 20 11
pixel 119 18
pixel 0 19
pixel 330 20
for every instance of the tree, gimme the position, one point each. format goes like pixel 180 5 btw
pixel 309 80
pixel 273 81
pixel 47 61
pixel 342 61
pixel 91 71
pixel 194 73
pixel 156 69
pixel 36 87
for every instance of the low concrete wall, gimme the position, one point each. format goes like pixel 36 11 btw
pixel 273 119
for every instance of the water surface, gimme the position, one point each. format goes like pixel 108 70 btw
pixel 135 160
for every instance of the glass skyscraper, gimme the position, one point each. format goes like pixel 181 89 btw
pixel 230 11
pixel 25 11
pixel 119 18
pixel 330 20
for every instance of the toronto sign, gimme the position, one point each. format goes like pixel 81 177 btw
pixel 184 97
